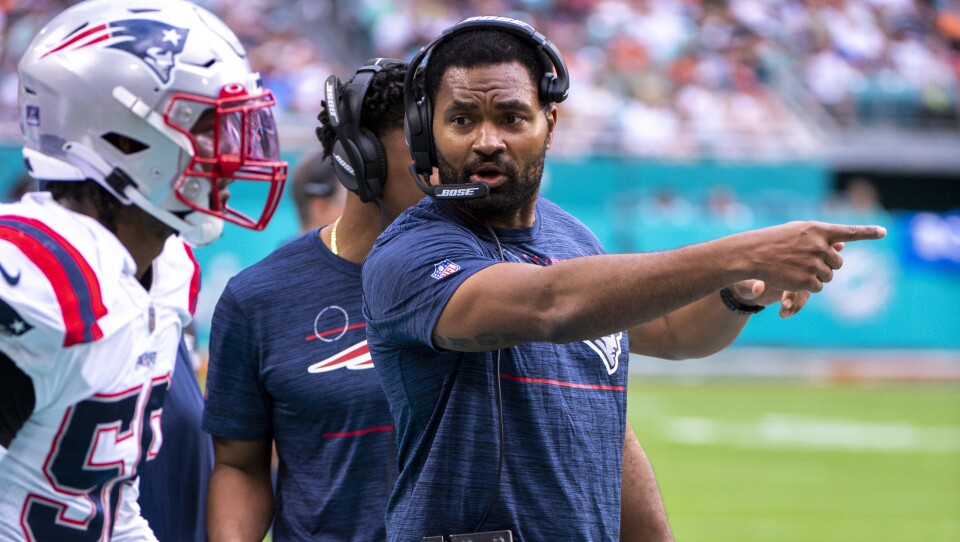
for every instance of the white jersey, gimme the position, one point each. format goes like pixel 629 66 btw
pixel 100 352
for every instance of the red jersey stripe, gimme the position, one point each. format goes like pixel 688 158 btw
pixel 527 380
pixel 194 281
pixel 80 322
pixel 359 432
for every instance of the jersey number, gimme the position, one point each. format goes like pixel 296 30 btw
pixel 95 450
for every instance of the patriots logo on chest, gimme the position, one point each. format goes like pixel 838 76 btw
pixel 329 326
pixel 609 349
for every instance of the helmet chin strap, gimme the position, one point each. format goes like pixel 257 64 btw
pixel 206 229
pixel 196 228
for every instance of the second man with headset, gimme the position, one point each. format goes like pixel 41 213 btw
pixel 289 363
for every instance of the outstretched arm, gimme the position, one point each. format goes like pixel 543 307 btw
pixel 707 325
pixel 240 499
pixel 510 303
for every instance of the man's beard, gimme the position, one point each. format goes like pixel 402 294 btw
pixel 505 201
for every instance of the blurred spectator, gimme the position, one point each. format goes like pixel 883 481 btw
pixel 317 193
pixel 666 206
pixel 724 207
pixel 658 78
pixel 858 200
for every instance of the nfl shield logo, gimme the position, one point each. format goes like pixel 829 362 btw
pixel 444 268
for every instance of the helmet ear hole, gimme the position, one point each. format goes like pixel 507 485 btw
pixel 124 144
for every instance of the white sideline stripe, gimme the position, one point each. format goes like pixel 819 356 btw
pixel 784 431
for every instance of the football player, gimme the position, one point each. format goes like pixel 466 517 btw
pixel 137 116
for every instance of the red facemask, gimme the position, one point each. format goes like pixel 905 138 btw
pixel 235 140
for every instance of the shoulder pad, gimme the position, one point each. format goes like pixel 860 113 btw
pixel 53 269
pixel 176 276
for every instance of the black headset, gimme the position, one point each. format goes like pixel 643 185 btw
pixel 358 156
pixel 418 111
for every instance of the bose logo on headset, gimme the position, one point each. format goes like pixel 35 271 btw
pixel 332 102
pixel 344 164
pixel 457 192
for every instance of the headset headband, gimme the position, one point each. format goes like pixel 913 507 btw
pixel 347 123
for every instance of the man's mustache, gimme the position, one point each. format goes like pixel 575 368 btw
pixel 498 161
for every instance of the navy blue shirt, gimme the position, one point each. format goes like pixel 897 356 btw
pixel 289 361
pixel 564 405
pixel 173 486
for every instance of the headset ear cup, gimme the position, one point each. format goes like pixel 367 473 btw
pixel 421 141
pixel 346 164
pixel 428 118
pixel 548 85
pixel 375 166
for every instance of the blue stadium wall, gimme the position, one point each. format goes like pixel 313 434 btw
pixel 900 292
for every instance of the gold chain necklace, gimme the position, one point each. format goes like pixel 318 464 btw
pixel 333 237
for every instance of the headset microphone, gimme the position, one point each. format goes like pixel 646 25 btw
pixel 449 191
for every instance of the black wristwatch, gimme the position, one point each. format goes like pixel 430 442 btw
pixel 726 295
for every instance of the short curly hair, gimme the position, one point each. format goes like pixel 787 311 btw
pixel 382 108
pixel 483 47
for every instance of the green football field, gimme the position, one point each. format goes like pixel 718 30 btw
pixel 762 461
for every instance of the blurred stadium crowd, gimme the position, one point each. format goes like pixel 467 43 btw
pixel 741 79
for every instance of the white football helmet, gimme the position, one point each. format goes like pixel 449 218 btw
pixel 154 100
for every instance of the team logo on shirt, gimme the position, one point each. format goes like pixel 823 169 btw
pixel 354 358
pixel 329 326
pixel 157 44
pixel 609 350
pixel 444 269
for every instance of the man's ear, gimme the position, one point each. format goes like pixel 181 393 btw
pixel 551 114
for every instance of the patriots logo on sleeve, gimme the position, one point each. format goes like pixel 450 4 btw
pixel 156 44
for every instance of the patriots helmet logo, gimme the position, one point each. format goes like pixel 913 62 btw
pixel 609 350
pixel 157 44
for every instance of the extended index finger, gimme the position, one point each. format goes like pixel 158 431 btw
pixel 840 232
